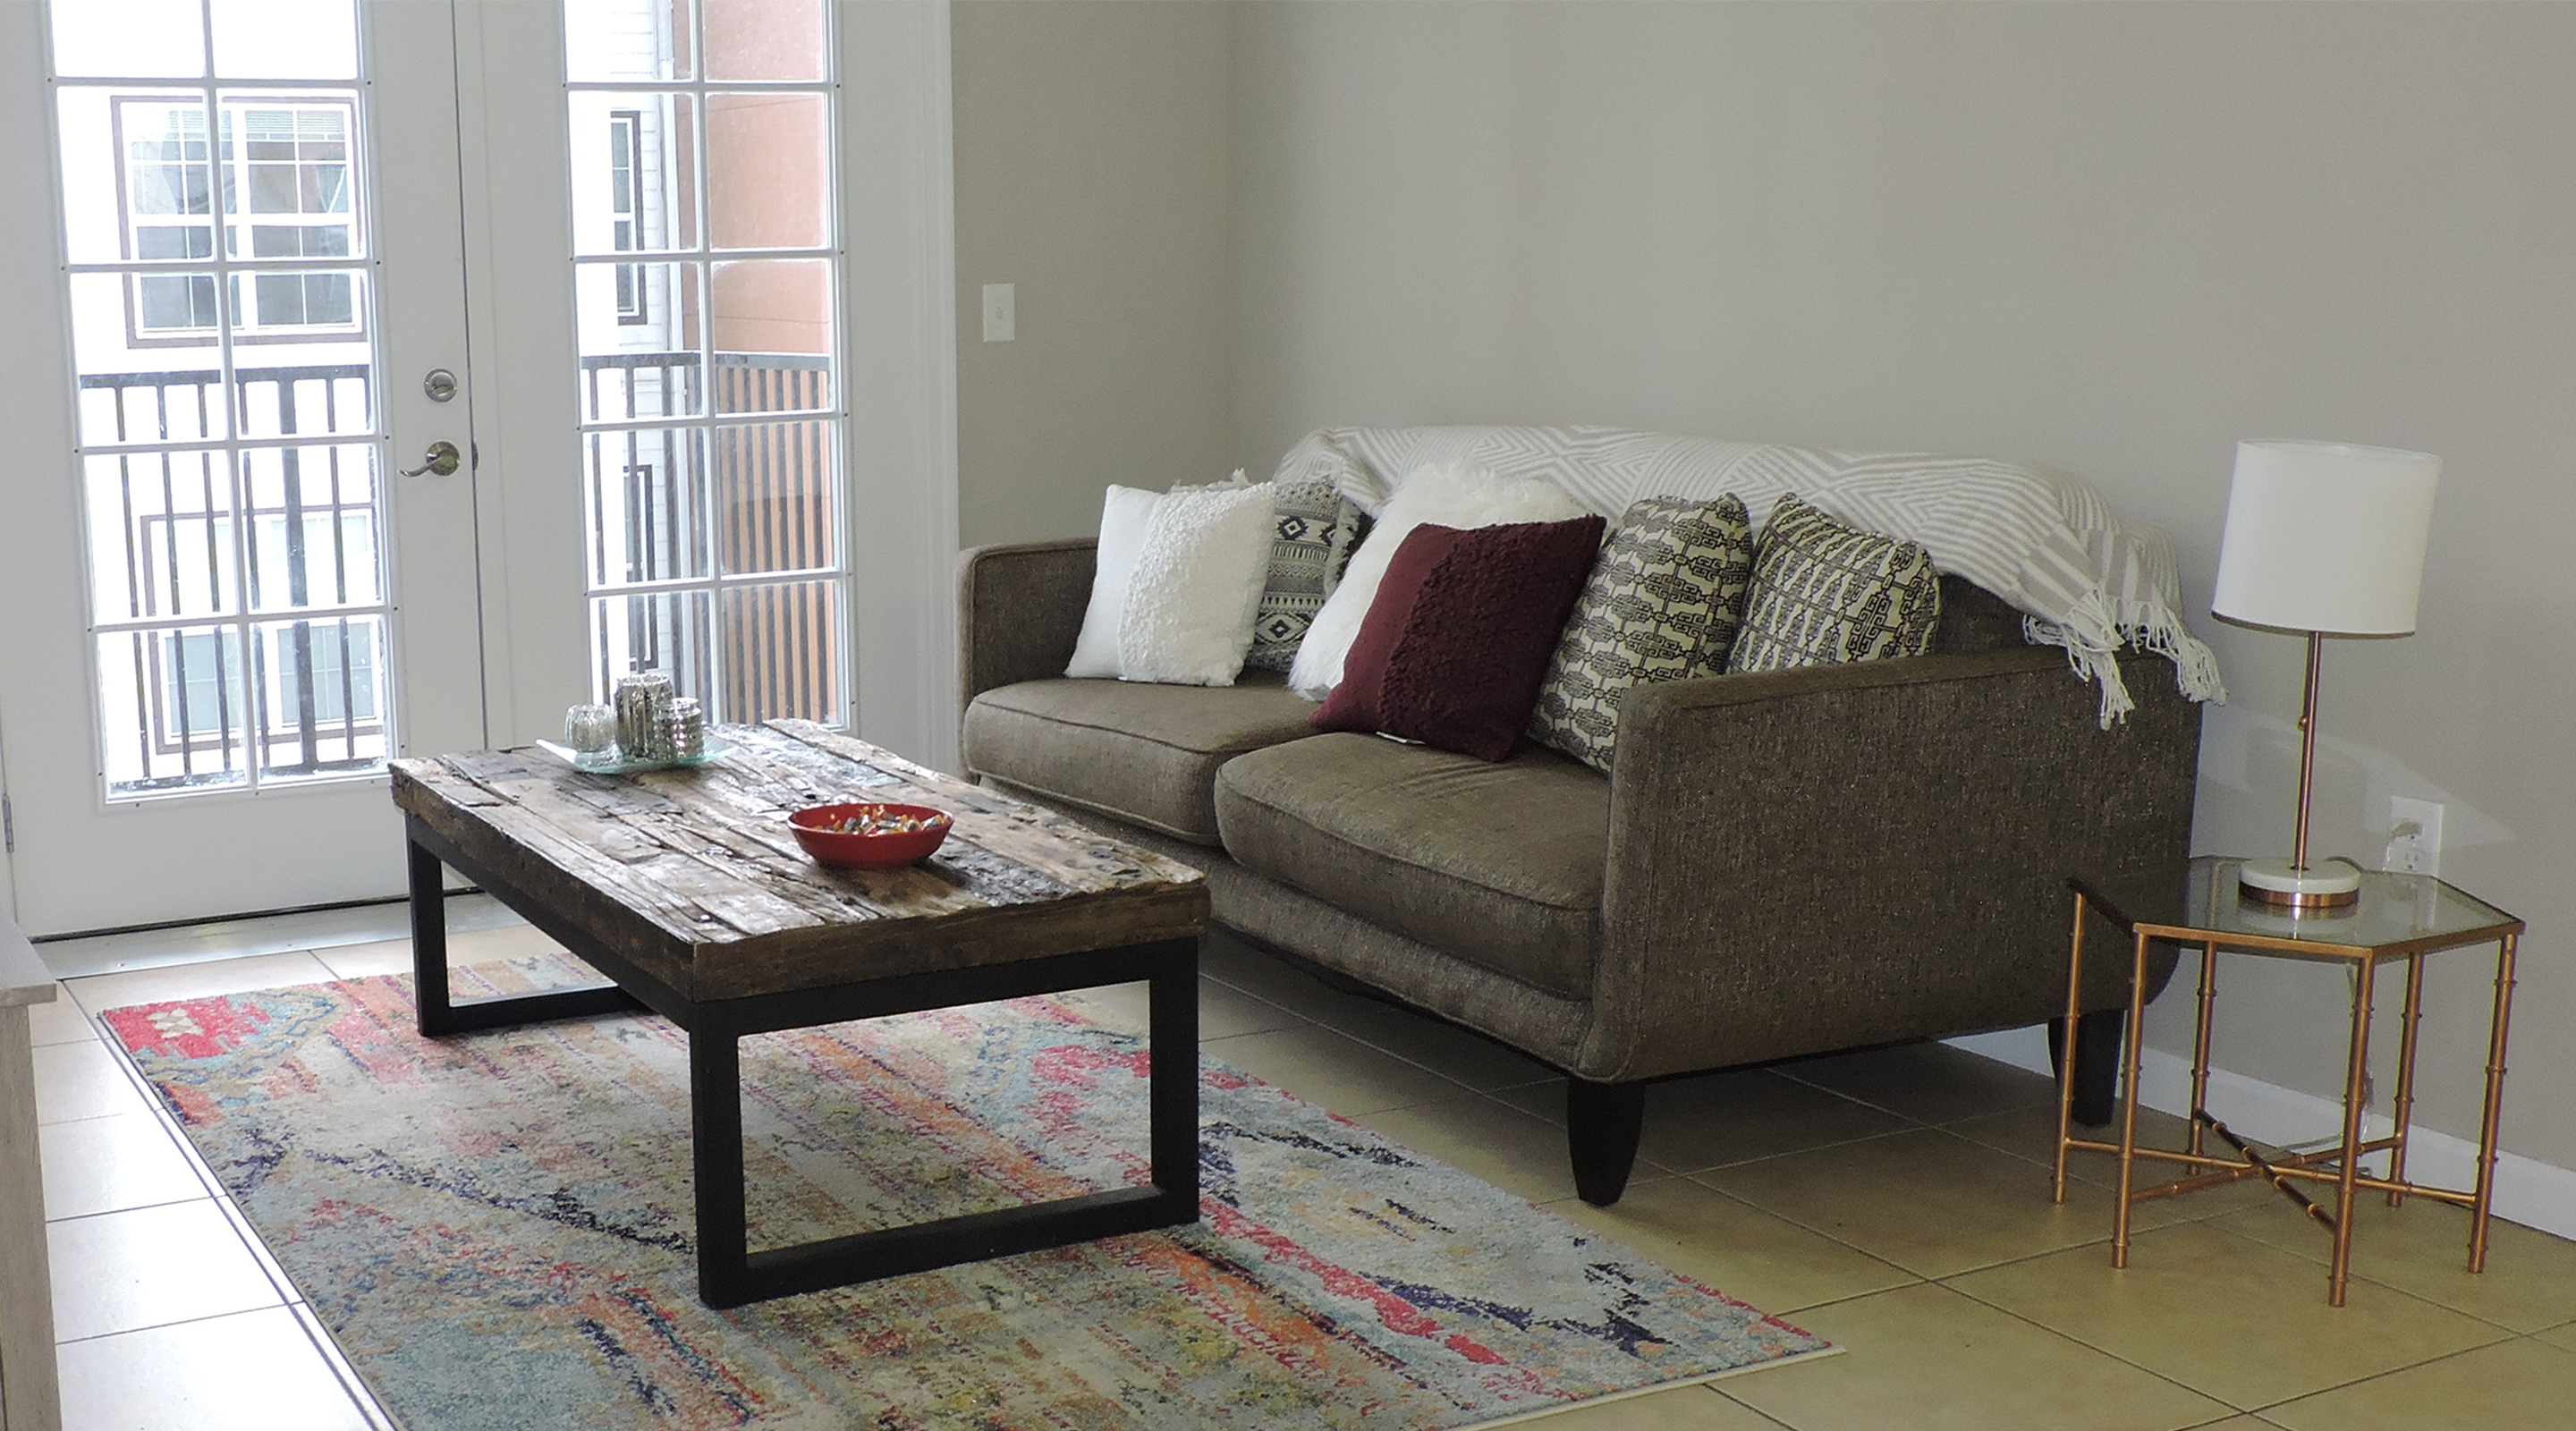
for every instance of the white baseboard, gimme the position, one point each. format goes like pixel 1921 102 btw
pixel 2533 1193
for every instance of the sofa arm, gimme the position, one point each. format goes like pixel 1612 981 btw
pixel 1842 856
pixel 1019 611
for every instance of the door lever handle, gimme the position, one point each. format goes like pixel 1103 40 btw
pixel 441 460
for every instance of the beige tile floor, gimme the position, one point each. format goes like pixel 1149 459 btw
pixel 1896 1202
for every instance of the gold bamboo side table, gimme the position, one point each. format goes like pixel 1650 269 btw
pixel 2400 919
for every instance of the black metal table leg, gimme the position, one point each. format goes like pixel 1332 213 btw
pixel 715 1145
pixel 730 1276
pixel 439 1015
pixel 1172 1082
pixel 428 942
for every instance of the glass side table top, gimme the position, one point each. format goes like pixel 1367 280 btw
pixel 2398 914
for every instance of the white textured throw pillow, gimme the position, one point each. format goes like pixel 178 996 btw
pixel 1197 586
pixel 1123 515
pixel 1451 496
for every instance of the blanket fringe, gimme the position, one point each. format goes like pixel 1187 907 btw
pixel 2091 660
pixel 2159 632
pixel 2156 628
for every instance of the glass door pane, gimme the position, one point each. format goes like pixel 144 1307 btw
pixel 714 551
pixel 218 224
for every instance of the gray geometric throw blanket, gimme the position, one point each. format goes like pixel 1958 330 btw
pixel 2047 543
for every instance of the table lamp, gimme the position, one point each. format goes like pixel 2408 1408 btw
pixel 2326 539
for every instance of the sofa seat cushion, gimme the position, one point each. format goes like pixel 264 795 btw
pixel 1498 864
pixel 1146 754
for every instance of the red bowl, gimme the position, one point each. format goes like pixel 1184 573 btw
pixel 813 827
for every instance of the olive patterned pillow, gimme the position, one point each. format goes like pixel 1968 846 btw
pixel 1825 593
pixel 1662 604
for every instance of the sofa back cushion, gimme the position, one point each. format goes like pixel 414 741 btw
pixel 1453 649
pixel 1974 619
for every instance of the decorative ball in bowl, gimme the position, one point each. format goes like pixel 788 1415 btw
pixel 869 836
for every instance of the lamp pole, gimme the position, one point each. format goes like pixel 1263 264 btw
pixel 2307 748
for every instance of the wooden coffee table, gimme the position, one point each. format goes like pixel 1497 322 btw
pixel 686 888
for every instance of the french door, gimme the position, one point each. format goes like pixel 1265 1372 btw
pixel 296 250
pixel 236 258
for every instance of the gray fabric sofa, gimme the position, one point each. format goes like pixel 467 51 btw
pixel 1783 864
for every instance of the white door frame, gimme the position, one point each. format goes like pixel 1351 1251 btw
pixel 899 223
pixel 33 374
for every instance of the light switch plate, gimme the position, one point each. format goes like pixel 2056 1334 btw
pixel 1001 312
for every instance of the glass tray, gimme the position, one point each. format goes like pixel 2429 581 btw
pixel 595 765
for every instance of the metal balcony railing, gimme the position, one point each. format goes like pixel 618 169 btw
pixel 772 511
pixel 314 676
pixel 206 656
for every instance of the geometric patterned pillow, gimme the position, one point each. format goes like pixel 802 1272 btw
pixel 1316 534
pixel 1825 593
pixel 1662 604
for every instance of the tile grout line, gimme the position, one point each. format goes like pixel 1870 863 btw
pixel 165 1326
pixel 2358 1276
pixel 1945 1283
pixel 1749 1407
pixel 2378 1375
pixel 1695 1173
pixel 2073 1339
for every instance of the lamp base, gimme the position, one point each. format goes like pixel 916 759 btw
pixel 2327 884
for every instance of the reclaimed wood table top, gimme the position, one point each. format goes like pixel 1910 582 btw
pixel 695 876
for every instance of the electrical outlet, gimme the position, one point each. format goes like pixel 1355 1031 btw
pixel 2415 837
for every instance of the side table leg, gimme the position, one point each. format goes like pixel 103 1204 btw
pixel 2403 1109
pixel 2489 1124
pixel 715 1148
pixel 2200 1044
pixel 2129 1102
pixel 429 944
pixel 2356 1072
pixel 2066 1060
pixel 1172 1079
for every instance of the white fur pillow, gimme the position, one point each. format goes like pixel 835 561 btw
pixel 1451 496
pixel 1197 586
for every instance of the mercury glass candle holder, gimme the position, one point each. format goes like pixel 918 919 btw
pixel 591 729
pixel 687 729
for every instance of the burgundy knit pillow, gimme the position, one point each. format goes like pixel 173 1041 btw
pixel 1454 647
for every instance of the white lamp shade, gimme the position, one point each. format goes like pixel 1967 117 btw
pixel 2323 536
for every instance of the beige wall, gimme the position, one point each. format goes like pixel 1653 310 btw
pixel 2110 238
pixel 1091 172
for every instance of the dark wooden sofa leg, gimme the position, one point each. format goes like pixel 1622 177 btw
pixel 1602 1121
pixel 2098 1036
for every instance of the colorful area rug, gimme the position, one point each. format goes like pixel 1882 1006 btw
pixel 498 1229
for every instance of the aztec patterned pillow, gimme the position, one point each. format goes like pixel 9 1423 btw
pixel 1317 530
pixel 1825 593
pixel 1662 604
